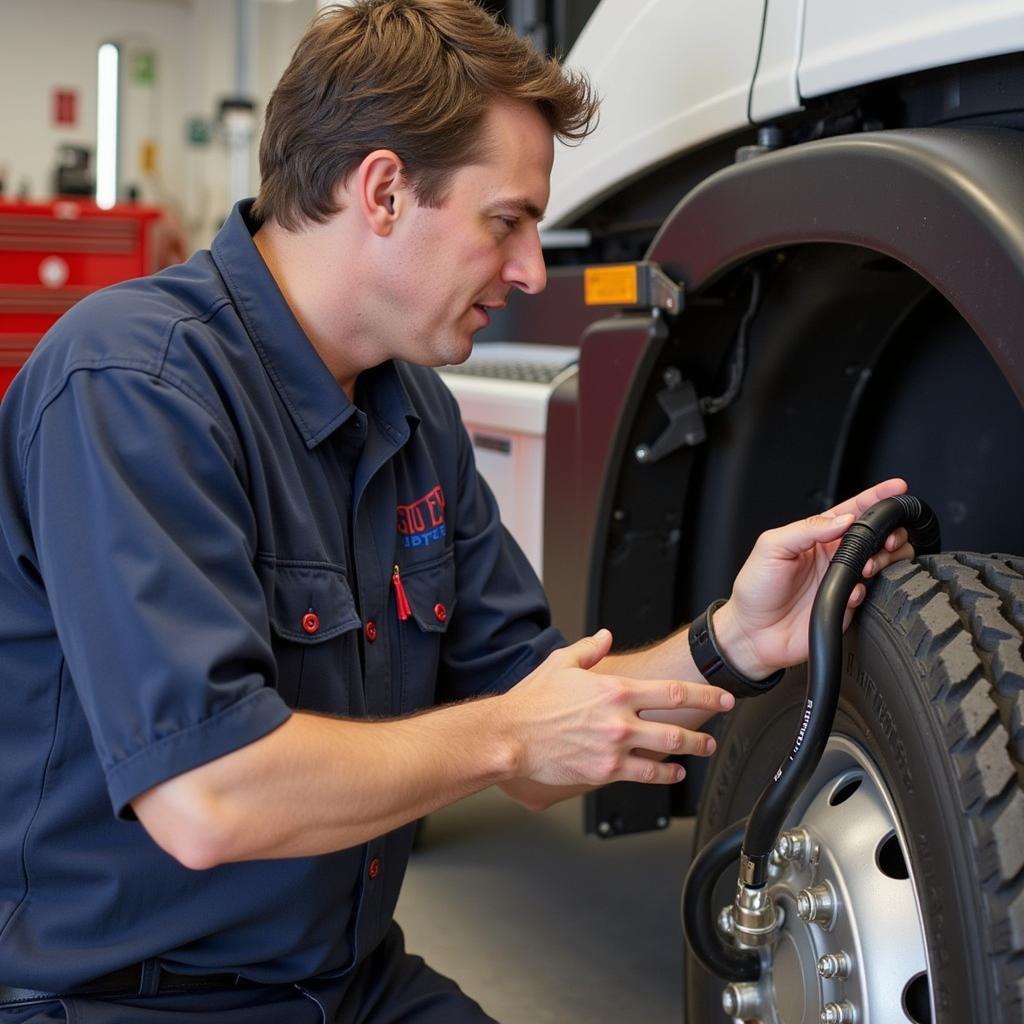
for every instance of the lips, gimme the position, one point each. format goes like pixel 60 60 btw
pixel 486 308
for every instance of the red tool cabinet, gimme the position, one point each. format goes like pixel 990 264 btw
pixel 54 253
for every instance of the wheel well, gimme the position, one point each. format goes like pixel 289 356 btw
pixel 858 370
pixel 855 239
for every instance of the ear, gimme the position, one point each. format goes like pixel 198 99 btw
pixel 379 190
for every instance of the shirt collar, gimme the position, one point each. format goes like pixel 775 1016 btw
pixel 312 396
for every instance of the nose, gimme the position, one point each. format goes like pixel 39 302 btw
pixel 525 269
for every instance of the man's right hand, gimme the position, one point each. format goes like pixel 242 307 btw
pixel 574 726
pixel 566 727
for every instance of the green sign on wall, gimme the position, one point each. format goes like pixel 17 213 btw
pixel 144 67
pixel 198 131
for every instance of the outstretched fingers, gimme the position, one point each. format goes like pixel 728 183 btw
pixel 662 694
pixel 671 740
pixel 637 768
pixel 644 741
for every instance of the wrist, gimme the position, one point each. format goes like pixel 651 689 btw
pixel 508 746
pixel 736 646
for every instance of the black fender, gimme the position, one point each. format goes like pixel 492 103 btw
pixel 948 203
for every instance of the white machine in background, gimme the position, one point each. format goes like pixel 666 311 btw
pixel 503 391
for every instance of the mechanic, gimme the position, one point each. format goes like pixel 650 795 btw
pixel 257 610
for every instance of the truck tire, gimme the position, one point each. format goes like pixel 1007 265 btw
pixel 928 751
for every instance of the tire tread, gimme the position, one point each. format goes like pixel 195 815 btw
pixel 955 623
pixel 963 613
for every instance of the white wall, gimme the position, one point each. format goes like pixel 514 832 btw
pixel 46 44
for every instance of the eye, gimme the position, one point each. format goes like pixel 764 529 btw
pixel 509 222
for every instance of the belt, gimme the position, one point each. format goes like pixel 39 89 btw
pixel 143 979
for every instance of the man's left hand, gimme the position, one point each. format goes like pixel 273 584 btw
pixel 763 626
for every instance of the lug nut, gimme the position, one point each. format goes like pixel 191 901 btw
pixel 817 905
pixel 838 1013
pixel 834 965
pixel 793 845
pixel 742 999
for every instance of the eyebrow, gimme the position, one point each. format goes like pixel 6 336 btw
pixel 521 206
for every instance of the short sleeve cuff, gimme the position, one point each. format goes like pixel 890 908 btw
pixel 236 726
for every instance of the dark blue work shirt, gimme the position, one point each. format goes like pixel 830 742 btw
pixel 198 534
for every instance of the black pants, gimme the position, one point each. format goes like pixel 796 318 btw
pixel 389 987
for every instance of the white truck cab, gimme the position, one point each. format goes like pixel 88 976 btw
pixel 820 207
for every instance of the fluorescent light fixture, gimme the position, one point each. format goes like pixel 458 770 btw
pixel 107 98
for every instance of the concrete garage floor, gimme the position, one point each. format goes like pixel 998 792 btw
pixel 543 925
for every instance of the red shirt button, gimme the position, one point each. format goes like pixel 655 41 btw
pixel 374 869
pixel 440 612
pixel 370 629
pixel 311 622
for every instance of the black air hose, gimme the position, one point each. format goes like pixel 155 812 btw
pixel 825 642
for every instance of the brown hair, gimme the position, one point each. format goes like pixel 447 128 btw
pixel 413 76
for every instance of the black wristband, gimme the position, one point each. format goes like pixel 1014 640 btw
pixel 713 666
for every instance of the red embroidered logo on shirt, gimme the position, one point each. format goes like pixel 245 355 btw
pixel 422 521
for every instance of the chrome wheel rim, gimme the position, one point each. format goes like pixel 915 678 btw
pixel 858 857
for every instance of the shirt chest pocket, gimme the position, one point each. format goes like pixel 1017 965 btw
pixel 314 623
pixel 429 591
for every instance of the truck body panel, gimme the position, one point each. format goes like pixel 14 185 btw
pixel 656 101
pixel 845 45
